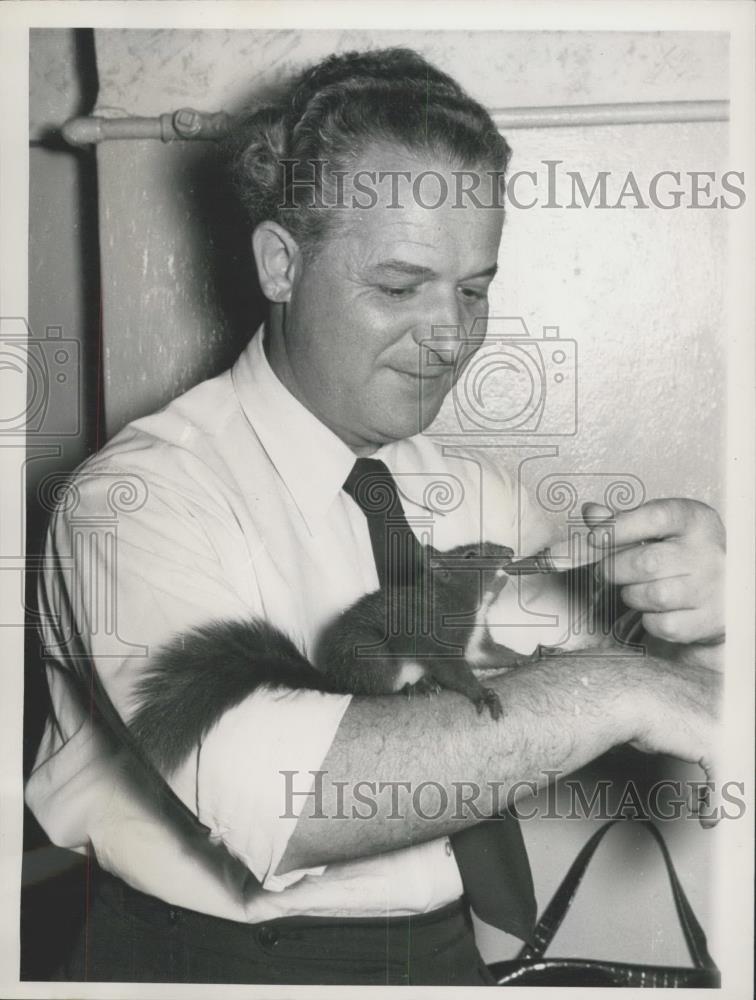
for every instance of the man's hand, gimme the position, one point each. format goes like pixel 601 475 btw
pixel 679 716
pixel 671 567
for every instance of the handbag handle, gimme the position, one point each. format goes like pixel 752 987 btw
pixel 562 899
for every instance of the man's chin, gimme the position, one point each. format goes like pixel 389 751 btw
pixel 406 419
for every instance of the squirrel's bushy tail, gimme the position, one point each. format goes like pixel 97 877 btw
pixel 204 673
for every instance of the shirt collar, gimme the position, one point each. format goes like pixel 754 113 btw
pixel 310 459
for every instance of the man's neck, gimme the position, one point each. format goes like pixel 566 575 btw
pixel 274 348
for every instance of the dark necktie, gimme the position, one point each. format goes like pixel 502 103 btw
pixel 491 856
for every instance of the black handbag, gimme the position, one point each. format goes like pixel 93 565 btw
pixel 531 968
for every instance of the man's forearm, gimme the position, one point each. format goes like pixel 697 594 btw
pixel 559 714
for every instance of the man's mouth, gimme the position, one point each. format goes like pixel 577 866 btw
pixel 423 376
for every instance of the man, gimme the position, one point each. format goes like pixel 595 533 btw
pixel 239 509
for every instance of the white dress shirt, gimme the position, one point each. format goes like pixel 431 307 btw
pixel 226 504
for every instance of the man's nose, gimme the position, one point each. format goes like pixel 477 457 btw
pixel 442 326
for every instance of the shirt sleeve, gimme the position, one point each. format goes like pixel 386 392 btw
pixel 256 826
pixel 116 586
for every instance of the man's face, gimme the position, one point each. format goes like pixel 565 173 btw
pixel 361 307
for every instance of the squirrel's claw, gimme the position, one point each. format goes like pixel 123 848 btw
pixel 427 686
pixel 491 701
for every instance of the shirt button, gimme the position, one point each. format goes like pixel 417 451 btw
pixel 268 936
pixel 448 847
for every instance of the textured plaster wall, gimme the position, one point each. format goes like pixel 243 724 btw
pixel 57 229
pixel 639 291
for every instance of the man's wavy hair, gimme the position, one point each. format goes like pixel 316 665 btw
pixel 331 112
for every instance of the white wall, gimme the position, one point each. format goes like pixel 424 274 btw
pixel 639 290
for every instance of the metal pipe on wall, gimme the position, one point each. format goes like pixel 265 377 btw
pixel 575 116
pixel 186 123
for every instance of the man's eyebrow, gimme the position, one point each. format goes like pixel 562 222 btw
pixel 404 267
pixel 487 272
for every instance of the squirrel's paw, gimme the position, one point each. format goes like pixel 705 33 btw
pixel 491 701
pixel 427 686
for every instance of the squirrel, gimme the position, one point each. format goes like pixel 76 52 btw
pixel 422 635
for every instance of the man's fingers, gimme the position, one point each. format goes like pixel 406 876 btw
pixel 656 519
pixel 675 593
pixel 641 563
pixel 705 797
pixel 668 556
pixel 678 626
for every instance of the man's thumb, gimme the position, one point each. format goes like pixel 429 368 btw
pixel 595 513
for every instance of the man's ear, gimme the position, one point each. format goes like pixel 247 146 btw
pixel 276 255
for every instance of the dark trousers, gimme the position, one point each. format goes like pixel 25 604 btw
pixel 131 937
